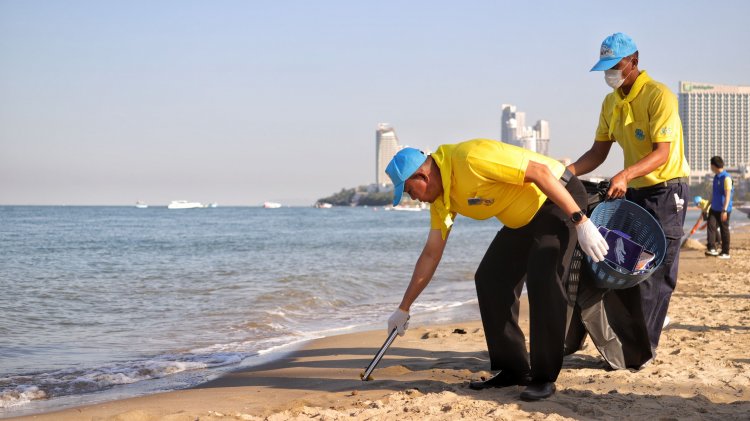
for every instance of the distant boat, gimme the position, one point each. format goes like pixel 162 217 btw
pixel 184 204
pixel 407 208
pixel 271 205
pixel 140 205
pixel 323 205
pixel 213 205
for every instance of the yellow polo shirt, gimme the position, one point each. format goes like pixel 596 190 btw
pixel 484 178
pixel 704 205
pixel 648 114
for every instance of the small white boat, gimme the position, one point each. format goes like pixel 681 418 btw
pixel 213 205
pixel 271 205
pixel 407 208
pixel 140 205
pixel 323 205
pixel 184 204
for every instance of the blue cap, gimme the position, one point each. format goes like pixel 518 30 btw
pixel 403 165
pixel 697 200
pixel 614 48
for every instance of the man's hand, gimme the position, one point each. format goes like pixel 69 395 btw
pixel 399 320
pixel 618 185
pixel 724 216
pixel 657 157
pixel 591 240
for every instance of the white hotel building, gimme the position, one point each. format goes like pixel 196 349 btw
pixel 386 145
pixel 715 121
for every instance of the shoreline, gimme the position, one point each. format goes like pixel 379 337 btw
pixel 454 312
pixel 702 370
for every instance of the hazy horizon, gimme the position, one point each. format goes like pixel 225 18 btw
pixel 234 102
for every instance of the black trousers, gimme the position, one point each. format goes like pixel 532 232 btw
pixel 656 291
pixel 714 221
pixel 538 253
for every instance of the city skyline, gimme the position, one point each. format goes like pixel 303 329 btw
pixel 107 103
pixel 513 130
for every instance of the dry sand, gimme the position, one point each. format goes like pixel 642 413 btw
pixel 702 371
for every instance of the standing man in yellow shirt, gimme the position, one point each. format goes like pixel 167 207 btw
pixel 539 203
pixel 641 115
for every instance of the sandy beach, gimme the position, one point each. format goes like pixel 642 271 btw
pixel 702 371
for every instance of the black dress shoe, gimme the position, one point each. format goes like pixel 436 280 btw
pixel 538 390
pixel 501 379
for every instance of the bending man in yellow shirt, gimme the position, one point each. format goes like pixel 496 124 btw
pixel 642 116
pixel 704 206
pixel 539 203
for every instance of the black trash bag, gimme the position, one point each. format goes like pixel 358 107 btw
pixel 610 317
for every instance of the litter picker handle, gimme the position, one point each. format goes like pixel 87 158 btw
pixel 379 355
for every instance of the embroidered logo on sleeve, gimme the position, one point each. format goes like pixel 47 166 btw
pixel 666 131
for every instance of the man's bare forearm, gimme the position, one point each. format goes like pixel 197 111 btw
pixel 591 159
pixel 424 269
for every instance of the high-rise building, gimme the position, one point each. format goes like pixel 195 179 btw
pixel 513 125
pixel 386 145
pixel 513 130
pixel 715 121
pixel 541 130
pixel 508 124
pixel 521 129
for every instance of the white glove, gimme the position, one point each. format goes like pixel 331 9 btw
pixel 679 202
pixel 399 320
pixel 591 241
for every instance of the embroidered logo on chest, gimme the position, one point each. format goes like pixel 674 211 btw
pixel 472 201
pixel 639 134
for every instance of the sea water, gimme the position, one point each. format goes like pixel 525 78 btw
pixel 99 303
pixel 103 302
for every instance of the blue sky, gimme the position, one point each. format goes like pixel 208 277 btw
pixel 238 102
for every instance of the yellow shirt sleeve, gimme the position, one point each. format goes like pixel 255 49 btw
pixel 602 130
pixel 664 123
pixel 727 183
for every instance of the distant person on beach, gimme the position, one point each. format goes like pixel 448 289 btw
pixel 539 203
pixel 721 209
pixel 641 115
pixel 704 206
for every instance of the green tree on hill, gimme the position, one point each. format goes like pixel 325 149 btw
pixel 358 197
pixel 376 199
pixel 342 198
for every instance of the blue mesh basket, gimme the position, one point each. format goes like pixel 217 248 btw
pixel 633 220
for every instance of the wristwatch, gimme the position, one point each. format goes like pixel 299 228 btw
pixel 577 217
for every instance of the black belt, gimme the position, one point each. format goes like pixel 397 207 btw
pixel 565 178
pixel 679 180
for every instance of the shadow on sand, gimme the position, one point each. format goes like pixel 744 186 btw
pixel 336 370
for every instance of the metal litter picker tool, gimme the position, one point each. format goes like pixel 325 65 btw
pixel 365 376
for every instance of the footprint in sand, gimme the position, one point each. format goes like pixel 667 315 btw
pixel 434 335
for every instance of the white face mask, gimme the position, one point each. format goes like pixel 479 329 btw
pixel 614 78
